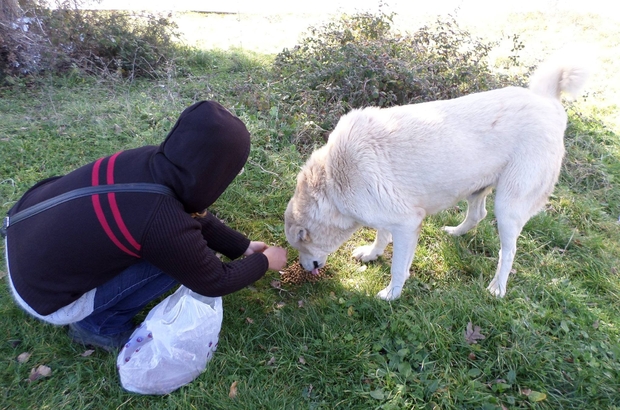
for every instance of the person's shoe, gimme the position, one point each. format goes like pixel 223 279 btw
pixel 110 343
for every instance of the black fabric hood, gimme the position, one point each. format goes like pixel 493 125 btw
pixel 201 156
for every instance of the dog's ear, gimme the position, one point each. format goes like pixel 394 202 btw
pixel 302 234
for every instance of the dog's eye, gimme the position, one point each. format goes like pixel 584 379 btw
pixel 302 235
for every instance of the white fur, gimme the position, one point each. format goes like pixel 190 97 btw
pixel 389 168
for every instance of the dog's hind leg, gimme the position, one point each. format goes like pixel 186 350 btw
pixel 509 227
pixel 513 208
pixel 519 196
pixel 373 251
pixel 405 236
pixel 476 211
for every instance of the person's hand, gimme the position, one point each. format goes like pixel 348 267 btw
pixel 255 247
pixel 276 256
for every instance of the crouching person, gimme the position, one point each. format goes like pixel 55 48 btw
pixel 124 231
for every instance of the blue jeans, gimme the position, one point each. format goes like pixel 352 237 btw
pixel 119 300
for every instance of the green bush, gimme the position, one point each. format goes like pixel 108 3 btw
pixel 359 60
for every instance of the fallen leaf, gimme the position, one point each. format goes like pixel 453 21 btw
pixel 271 361
pixel 39 372
pixel 302 360
pixel 249 320
pixel 232 393
pixel 23 358
pixel 276 284
pixel 87 353
pixel 300 303
pixel 526 392
pixel 536 396
pixel 350 311
pixel 280 305
pixel 472 334
pixel 472 356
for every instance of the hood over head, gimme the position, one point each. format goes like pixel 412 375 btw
pixel 202 154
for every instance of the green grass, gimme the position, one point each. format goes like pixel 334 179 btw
pixel 552 342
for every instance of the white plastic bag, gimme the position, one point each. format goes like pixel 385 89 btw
pixel 173 345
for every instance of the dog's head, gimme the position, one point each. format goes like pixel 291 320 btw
pixel 312 223
pixel 300 234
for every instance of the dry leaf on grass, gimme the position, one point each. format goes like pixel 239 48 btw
pixel 87 353
pixel 232 393
pixel 472 334
pixel 249 320
pixel 39 372
pixel 302 360
pixel 276 284
pixel 534 396
pixel 23 358
pixel 271 361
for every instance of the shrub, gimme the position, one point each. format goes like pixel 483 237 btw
pixel 101 42
pixel 359 60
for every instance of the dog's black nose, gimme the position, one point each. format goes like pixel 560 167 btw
pixel 316 264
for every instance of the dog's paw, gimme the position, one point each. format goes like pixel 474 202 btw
pixel 365 253
pixel 496 288
pixel 390 293
pixel 453 230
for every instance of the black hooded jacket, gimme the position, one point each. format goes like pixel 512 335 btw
pixel 58 255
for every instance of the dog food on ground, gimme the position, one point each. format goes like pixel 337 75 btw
pixel 295 274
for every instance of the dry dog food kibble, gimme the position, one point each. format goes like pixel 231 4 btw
pixel 296 274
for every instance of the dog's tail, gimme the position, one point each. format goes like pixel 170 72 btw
pixel 566 72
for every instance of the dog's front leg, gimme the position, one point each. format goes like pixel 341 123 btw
pixel 373 251
pixel 405 237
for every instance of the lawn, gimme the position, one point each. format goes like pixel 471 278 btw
pixel 552 342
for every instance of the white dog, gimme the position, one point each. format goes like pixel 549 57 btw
pixel 389 168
